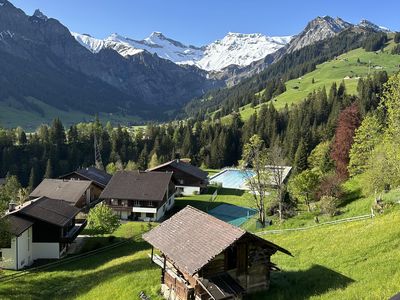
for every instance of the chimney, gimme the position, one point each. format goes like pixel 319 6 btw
pixel 11 206
pixel 177 157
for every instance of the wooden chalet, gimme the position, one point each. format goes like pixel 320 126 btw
pixel 138 195
pixel 99 179
pixel 204 258
pixel 40 229
pixel 76 192
pixel 188 179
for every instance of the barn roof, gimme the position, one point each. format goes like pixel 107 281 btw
pixel 137 185
pixel 184 167
pixel 192 238
pixel 17 225
pixel 53 211
pixel 67 190
pixel 98 176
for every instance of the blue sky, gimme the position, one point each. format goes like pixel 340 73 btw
pixel 201 22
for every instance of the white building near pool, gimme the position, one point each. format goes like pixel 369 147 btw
pixel 138 195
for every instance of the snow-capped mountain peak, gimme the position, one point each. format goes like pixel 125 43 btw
pixel 239 49
pixel 234 49
pixel 369 25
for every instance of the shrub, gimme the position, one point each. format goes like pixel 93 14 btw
pixel 102 220
pixel 328 205
pixel 331 185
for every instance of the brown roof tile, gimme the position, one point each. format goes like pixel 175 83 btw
pixel 191 238
pixel 53 211
pixel 184 167
pixel 67 190
pixel 17 225
pixel 137 185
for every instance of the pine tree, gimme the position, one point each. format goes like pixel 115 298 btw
pixel 49 169
pixel 300 158
pixel 154 161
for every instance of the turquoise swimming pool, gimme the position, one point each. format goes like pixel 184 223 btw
pixel 232 178
pixel 234 215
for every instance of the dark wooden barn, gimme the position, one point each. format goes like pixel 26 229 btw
pixel 205 258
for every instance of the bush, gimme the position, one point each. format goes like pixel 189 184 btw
pixel 396 50
pixel 328 205
pixel 331 185
pixel 102 220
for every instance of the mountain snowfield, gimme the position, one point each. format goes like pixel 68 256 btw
pixel 234 49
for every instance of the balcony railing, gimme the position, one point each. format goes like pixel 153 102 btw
pixel 73 232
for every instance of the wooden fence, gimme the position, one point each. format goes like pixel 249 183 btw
pixel 352 219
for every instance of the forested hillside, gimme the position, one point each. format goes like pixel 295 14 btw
pixel 291 65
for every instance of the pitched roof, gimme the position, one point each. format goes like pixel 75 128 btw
pixel 191 238
pixel 282 175
pixel 98 176
pixel 67 190
pixel 137 185
pixel 17 225
pixel 184 167
pixel 53 211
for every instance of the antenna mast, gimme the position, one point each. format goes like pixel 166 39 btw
pixel 97 154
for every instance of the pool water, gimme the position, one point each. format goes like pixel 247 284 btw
pixel 232 178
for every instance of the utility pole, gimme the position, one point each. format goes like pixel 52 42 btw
pixel 97 154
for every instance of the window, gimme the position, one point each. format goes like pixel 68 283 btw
pixel 150 203
pixel 1 256
pixel 149 215
pixel 136 203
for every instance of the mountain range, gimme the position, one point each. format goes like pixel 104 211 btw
pixel 44 65
pixel 234 49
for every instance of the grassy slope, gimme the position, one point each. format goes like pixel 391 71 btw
pixel 120 273
pixel 333 71
pixel 12 116
pixel 347 261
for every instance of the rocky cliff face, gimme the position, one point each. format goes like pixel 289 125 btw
pixel 43 46
pixel 318 29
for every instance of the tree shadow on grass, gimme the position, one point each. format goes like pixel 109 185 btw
pixel 317 280
pixel 99 259
pixel 65 285
pixel 350 196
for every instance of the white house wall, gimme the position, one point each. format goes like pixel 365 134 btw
pixel 20 254
pixel 188 190
pixel 46 250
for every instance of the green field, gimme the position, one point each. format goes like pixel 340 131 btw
pixel 13 115
pixel 344 68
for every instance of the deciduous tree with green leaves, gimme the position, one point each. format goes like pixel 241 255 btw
pixel 367 136
pixel 102 220
pixel 302 187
